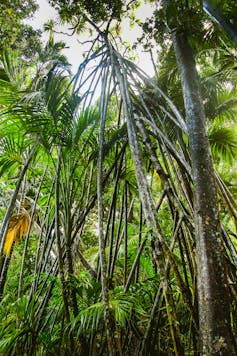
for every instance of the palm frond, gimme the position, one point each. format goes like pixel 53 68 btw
pixel 223 142
pixel 13 150
pixel 89 319
pixel 226 109
pixel 13 68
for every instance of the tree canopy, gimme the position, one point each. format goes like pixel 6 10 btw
pixel 13 31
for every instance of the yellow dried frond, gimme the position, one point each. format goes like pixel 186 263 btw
pixel 18 227
pixel 9 242
pixel 23 225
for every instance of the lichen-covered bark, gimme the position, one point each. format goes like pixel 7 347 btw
pixel 214 314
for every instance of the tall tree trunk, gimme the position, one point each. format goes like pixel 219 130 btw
pixel 214 312
pixel 108 317
pixel 158 243
pixel 58 238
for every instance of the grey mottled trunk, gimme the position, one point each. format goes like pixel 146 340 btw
pixel 214 313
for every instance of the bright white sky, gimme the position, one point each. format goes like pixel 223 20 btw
pixel 75 50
